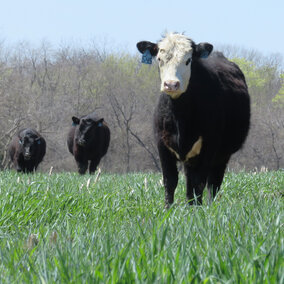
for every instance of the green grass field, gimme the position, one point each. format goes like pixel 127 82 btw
pixel 67 228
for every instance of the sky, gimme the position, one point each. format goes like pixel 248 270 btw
pixel 250 24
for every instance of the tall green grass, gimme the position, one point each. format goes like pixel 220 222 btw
pixel 67 228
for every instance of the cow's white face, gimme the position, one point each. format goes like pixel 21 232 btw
pixel 174 53
pixel 174 57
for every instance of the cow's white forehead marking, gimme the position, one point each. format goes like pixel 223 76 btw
pixel 174 51
pixel 175 45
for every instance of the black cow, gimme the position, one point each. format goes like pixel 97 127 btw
pixel 27 150
pixel 88 140
pixel 202 116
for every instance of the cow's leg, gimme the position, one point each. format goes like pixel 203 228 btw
pixel 35 166
pixel 25 167
pixel 82 166
pixel 93 165
pixel 30 167
pixel 215 178
pixel 17 165
pixel 170 173
pixel 195 183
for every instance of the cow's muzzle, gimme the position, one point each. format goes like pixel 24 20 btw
pixel 171 86
pixel 27 156
pixel 81 142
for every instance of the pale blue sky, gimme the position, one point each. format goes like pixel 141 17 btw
pixel 253 24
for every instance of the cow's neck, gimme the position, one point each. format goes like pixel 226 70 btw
pixel 180 105
pixel 182 111
pixel 184 117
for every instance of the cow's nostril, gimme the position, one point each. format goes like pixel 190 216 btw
pixel 176 85
pixel 171 85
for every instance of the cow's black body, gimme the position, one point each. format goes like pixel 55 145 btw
pixel 216 107
pixel 27 150
pixel 88 140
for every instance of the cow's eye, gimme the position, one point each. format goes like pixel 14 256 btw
pixel 188 61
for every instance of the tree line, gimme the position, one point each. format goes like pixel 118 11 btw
pixel 44 87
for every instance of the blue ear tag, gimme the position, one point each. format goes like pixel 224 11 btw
pixel 204 54
pixel 20 142
pixel 147 57
pixel 100 124
pixel 38 142
pixel 74 124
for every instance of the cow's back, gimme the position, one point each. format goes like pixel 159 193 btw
pixel 230 100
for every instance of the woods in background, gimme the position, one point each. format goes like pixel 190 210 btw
pixel 43 88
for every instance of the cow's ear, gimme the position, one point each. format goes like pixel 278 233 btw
pixel 75 120
pixel 100 122
pixel 38 140
pixel 143 46
pixel 203 50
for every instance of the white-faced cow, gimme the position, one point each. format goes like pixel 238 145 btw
pixel 27 150
pixel 88 140
pixel 202 116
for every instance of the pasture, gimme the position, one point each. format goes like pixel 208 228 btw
pixel 66 228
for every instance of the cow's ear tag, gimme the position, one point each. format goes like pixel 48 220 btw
pixel 147 57
pixel 20 142
pixel 74 124
pixel 38 142
pixel 204 54
pixel 100 124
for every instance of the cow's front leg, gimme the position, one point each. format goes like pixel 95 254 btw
pixel 195 183
pixel 170 173
pixel 93 165
pixel 17 164
pixel 215 178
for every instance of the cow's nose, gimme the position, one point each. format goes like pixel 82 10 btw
pixel 171 85
pixel 27 156
pixel 81 142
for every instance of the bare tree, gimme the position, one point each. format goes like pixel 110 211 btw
pixel 44 87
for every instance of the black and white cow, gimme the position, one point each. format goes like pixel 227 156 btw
pixel 202 116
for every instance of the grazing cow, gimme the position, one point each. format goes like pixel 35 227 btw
pixel 88 140
pixel 27 150
pixel 202 116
